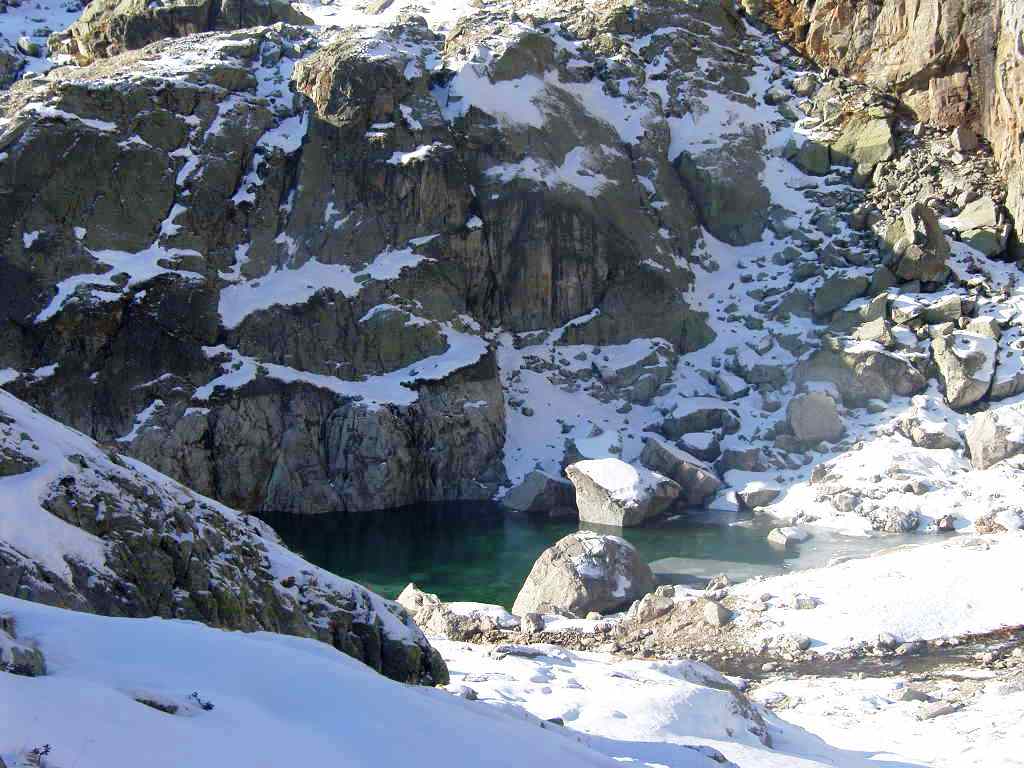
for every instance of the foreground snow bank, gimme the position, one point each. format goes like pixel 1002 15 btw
pixel 277 700
pixel 980 729
pixel 962 586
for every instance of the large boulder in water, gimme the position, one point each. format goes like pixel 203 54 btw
pixel 585 572
pixel 612 492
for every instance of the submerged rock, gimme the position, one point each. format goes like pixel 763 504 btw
pixel 787 536
pixel 585 572
pixel 612 492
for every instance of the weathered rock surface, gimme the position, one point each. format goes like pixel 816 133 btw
pixel 612 492
pixel 966 364
pixel 952 62
pixel 696 478
pixel 585 572
pixel 294 313
pixel 814 416
pixel 861 371
pixel 928 424
pixel 17 657
pixel 920 245
pixel 109 27
pixel 100 533
pixel 995 435
pixel 865 142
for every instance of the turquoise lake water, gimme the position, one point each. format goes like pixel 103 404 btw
pixel 475 551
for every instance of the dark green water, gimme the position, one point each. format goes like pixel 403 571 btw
pixel 475 552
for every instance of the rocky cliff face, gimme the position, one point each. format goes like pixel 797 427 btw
pixel 408 254
pixel 952 63
pixel 93 531
pixel 272 262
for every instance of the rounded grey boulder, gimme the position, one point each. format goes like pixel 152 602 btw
pixel 584 572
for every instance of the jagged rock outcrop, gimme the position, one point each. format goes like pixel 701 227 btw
pixel 90 530
pixel 585 572
pixel 109 27
pixel 952 62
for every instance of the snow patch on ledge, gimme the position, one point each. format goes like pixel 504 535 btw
pixel 288 286
pixel 396 387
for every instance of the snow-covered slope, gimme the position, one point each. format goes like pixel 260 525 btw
pixel 276 700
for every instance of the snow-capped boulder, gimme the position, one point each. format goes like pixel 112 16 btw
pixel 696 478
pixel 612 492
pixel 814 416
pixel 966 363
pixel 929 423
pixel 757 493
pixel 94 531
pixel 584 572
pixel 995 435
